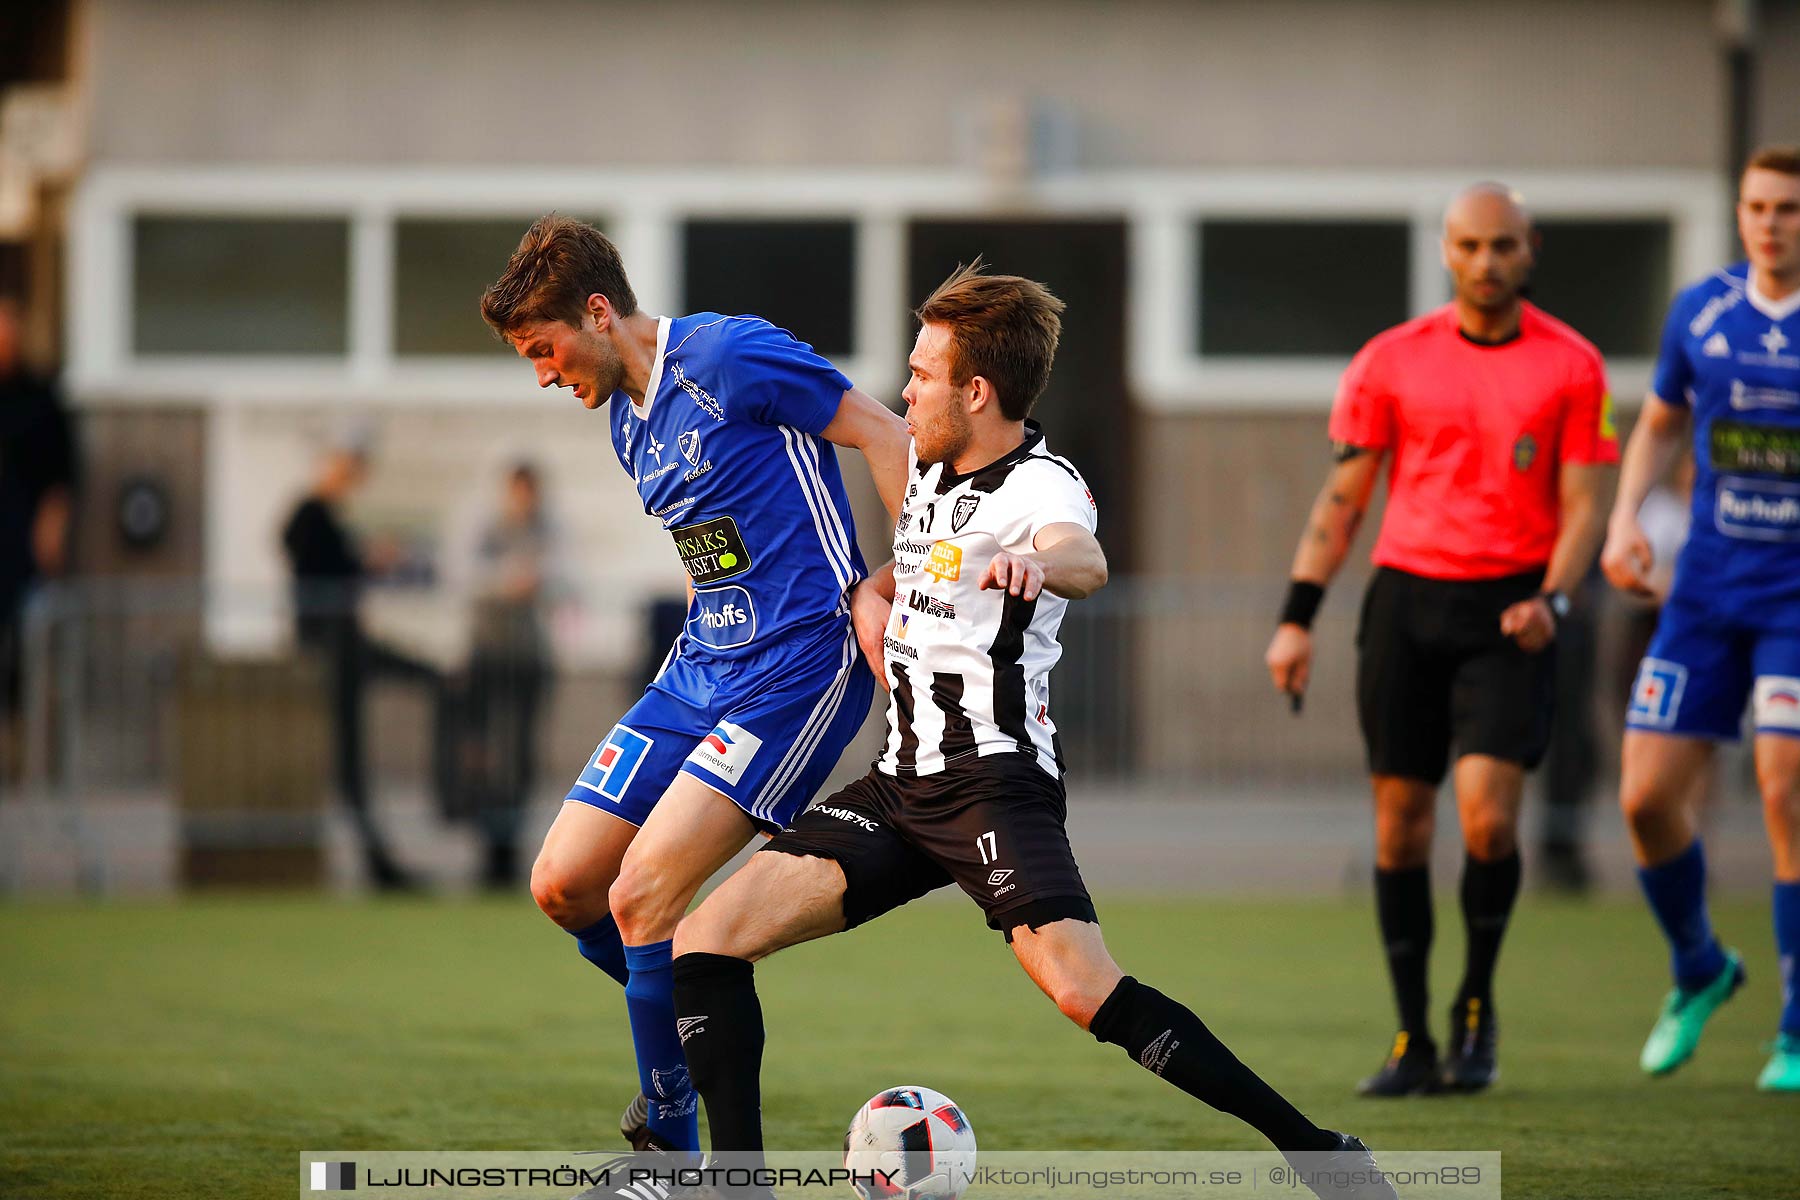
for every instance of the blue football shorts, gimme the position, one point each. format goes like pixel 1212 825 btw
pixel 1701 667
pixel 764 731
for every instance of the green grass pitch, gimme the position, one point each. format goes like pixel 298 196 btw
pixel 193 1049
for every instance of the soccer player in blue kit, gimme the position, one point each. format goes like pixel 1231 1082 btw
pixel 1730 630
pixel 723 423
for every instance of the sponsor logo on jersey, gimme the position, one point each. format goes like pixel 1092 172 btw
pixel 1609 425
pixel 1744 396
pixel 899 647
pixel 850 815
pixel 658 473
pixel 726 751
pixel 930 605
pixel 711 550
pixel 1656 697
pixel 1755 449
pixel 1759 510
pixel 1773 343
pixel 1715 308
pixel 904 547
pixel 1716 347
pixel 670 512
pixel 652 445
pixel 945 563
pixel 690 446
pixel 697 472
pixel 903 524
pixel 1524 452
pixel 616 762
pixel 723 617
pixel 700 395
pixel 1777 704
pixel 905 620
pixel 963 509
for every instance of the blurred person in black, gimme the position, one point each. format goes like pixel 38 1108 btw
pixel 515 578
pixel 329 572
pixel 37 480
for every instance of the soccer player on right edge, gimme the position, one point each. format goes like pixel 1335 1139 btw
pixel 1730 631
pixel 996 535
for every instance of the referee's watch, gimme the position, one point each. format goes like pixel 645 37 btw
pixel 1558 602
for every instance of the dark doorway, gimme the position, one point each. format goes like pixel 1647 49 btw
pixel 1087 418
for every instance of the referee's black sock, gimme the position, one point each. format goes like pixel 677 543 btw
pixel 721 1026
pixel 1403 908
pixel 1169 1040
pixel 1488 892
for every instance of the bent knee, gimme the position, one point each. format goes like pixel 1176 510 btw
pixel 566 899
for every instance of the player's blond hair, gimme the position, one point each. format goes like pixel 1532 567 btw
pixel 1003 328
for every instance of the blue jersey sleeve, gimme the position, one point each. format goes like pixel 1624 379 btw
pixel 1674 372
pixel 779 379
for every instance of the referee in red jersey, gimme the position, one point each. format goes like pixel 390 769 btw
pixel 1496 421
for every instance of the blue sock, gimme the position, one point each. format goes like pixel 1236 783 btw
pixel 599 943
pixel 1787 946
pixel 662 1068
pixel 1677 893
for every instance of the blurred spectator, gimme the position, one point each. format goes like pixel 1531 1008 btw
pixel 488 767
pixel 37 479
pixel 329 573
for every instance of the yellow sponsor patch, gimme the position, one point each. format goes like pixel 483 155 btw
pixel 945 563
pixel 1609 428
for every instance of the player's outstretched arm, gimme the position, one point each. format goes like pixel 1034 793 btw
pixel 1331 528
pixel 1655 441
pixel 1066 560
pixel 864 423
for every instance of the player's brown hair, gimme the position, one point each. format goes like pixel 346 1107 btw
pixel 1003 328
pixel 560 262
pixel 1785 159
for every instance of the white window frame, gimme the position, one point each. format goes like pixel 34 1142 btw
pixel 644 210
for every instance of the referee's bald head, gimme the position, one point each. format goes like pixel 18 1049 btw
pixel 1484 202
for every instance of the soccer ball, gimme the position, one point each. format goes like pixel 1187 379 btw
pixel 915 1142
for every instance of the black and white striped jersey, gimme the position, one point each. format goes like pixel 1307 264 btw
pixel 969 669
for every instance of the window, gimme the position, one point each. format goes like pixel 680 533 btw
pixel 441 267
pixel 801 275
pixel 1609 279
pixel 1292 288
pixel 240 285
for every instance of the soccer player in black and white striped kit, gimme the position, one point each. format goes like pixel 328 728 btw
pixel 996 537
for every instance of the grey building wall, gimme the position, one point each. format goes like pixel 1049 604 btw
pixel 1151 83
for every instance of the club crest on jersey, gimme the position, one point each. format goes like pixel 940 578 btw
pixel 726 751
pixel 945 563
pixel 690 446
pixel 1524 452
pixel 614 764
pixel 964 509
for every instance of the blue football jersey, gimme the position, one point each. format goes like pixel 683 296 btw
pixel 726 452
pixel 1734 357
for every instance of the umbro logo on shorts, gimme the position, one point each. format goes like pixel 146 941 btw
pixel 998 878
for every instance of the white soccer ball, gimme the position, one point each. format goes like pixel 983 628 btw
pixel 915 1142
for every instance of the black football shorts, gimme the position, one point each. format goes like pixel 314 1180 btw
pixel 1434 671
pixel 993 825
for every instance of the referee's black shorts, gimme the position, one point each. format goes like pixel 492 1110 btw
pixel 993 825
pixel 1434 671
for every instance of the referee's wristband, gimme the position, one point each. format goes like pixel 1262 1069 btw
pixel 1302 603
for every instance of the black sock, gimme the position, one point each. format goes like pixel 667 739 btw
pixel 1403 909
pixel 1488 892
pixel 721 1026
pixel 1169 1040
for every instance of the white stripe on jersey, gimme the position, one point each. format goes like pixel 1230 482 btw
pixel 818 499
pixel 817 723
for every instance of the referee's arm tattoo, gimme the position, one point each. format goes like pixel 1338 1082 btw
pixel 1337 513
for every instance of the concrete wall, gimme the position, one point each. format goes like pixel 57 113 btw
pixel 1152 83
